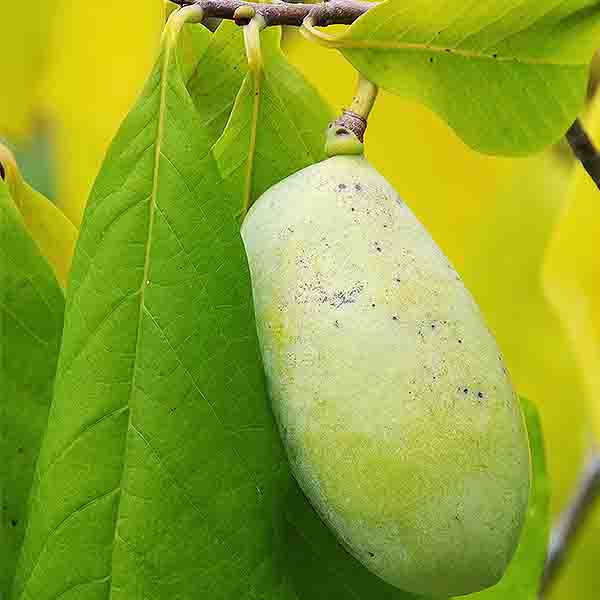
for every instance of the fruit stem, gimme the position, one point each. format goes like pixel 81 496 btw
pixel 346 134
pixel 364 99
pixel 252 42
pixel 571 520
pixel 255 64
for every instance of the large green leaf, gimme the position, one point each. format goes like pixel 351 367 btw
pixel 161 474
pixel 522 578
pixel 277 126
pixel 31 317
pixel 509 76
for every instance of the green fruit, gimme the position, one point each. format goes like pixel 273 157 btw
pixel 396 410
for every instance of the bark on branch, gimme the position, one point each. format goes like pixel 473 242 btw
pixel 571 521
pixel 584 150
pixel 333 12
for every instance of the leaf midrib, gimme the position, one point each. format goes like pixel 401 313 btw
pixel 344 44
pixel 144 282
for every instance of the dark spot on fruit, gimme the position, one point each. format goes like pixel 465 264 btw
pixel 20 450
pixel 357 187
pixel 373 305
pixel 14 522
pixel 495 55
pixel 431 60
pixel 460 341
pixel 342 186
pixel 336 324
pixel 479 395
pixel 394 318
pixel 371 554
pixel 353 209
pixel 466 390
pixel 432 326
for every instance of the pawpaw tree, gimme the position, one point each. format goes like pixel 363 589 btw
pixel 203 393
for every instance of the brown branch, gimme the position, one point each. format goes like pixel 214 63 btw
pixel 571 520
pixel 584 150
pixel 333 12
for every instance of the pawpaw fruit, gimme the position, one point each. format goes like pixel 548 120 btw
pixel 391 396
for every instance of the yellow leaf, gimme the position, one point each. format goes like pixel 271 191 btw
pixel 572 273
pixel 101 54
pixel 54 234
pixel 24 36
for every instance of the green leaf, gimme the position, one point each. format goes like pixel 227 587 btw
pixel 214 84
pixel 195 40
pixel 522 578
pixel 161 474
pixel 31 317
pixel 321 568
pixel 508 76
pixel 277 126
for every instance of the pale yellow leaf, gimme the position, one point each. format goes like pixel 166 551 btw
pixel 53 233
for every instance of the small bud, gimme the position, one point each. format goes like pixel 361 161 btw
pixel 243 14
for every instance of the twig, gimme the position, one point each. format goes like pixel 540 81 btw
pixel 571 520
pixel 342 12
pixel 584 150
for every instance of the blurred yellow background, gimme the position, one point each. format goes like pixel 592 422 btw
pixel 72 69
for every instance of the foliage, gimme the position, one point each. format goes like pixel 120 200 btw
pixel 508 77
pixel 160 472
pixel 31 314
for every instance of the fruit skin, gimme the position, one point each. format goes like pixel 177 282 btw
pixel 396 411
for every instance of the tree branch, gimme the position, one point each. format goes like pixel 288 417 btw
pixel 333 12
pixel 584 150
pixel 572 518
